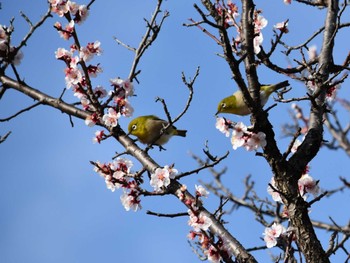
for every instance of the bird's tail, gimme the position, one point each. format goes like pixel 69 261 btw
pixel 181 133
pixel 280 85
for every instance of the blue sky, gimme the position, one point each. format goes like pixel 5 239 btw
pixel 53 206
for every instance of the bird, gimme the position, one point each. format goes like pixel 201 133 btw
pixel 148 130
pixel 234 104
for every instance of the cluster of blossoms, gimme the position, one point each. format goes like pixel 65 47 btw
pixel 117 175
pixel 74 74
pixel 259 23
pixel 282 26
pixel 230 10
pixel 311 84
pixel 241 136
pixel 161 177
pixel 306 185
pixel 200 224
pixel 65 7
pixel 8 53
pixel 331 92
pixel 212 251
pixel 273 234
pixel 78 73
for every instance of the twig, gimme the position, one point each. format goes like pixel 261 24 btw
pixel 148 38
pixel 3 138
pixel 21 111
pixel 148 212
pixel 318 198
pixel 204 166
pixel 290 146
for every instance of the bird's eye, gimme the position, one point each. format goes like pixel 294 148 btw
pixel 134 127
pixel 223 105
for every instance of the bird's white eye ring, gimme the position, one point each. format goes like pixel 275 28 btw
pixel 223 105
pixel 134 127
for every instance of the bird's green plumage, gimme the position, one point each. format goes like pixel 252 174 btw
pixel 148 129
pixel 234 104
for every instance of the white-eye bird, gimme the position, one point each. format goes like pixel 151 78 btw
pixel 234 104
pixel 148 129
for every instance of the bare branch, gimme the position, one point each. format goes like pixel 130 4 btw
pixel 20 112
pixel 3 138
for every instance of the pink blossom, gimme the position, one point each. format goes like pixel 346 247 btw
pixel 237 142
pixel 238 138
pixel 122 164
pixel 131 200
pixel 91 120
pixel 172 171
pixel 296 145
pixel 85 103
pixel 82 14
pixel 201 191
pixel 73 76
pixel 59 7
pixel 100 92
pixel 239 129
pixel 260 22
pixel 282 26
pixel 331 93
pixel 3 35
pixel 287 2
pixel 199 221
pixel 64 55
pixel 124 106
pixel 110 184
pixel 79 92
pixel 126 85
pixel 307 184
pixel 223 125
pixel 94 70
pixel 17 58
pixel 88 52
pixel 98 136
pixel 312 52
pixel 275 195
pixel 232 9
pixel 111 118
pixel 271 234
pixel 160 178
pixel 213 255
pixel 67 32
pixel 255 141
pixel 257 41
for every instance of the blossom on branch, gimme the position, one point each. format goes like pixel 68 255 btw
pixel 98 136
pixel 161 177
pixel 111 118
pixel 122 88
pixel 92 49
pixel 282 26
pixel 307 184
pixel 131 200
pixel 223 125
pixel 201 191
pixel 100 92
pixel 255 140
pixel 198 221
pixel 273 233
pixel 271 189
